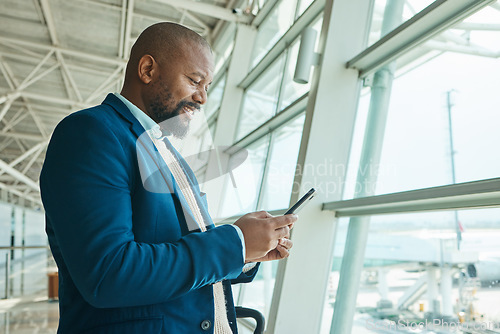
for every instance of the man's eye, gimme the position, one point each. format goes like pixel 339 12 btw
pixel 194 81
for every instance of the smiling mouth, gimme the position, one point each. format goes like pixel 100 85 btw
pixel 189 112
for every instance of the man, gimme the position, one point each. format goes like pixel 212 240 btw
pixel 129 261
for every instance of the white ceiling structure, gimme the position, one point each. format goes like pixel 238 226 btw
pixel 58 56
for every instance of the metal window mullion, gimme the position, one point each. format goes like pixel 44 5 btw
pixel 222 71
pixel 290 35
pixel 282 84
pixel 264 12
pixel 273 123
pixel 476 194
pixel 265 171
pixel 434 19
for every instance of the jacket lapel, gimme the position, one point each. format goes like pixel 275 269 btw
pixel 151 165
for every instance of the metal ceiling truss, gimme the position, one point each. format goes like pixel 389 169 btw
pixel 19 104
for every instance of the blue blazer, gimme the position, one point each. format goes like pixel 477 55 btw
pixel 118 230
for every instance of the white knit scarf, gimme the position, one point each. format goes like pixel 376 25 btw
pixel 221 325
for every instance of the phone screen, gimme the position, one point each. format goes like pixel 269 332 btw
pixel 301 202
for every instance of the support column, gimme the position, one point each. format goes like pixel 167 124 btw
pixel 23 244
pixel 230 105
pixel 383 289
pixel 446 291
pixel 357 234
pixel 432 291
pixel 302 279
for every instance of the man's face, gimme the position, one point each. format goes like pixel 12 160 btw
pixel 181 88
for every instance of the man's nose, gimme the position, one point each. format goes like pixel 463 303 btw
pixel 200 96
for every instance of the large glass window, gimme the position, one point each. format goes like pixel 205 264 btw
pixel 413 268
pixel 241 196
pixel 215 95
pixel 404 10
pixel 261 99
pixel 442 112
pixel 303 5
pixel 277 186
pixel 222 56
pixel 28 267
pixel 278 171
pixel 292 90
pixel 258 295
pixel 274 26
pixel 434 111
pixel 274 90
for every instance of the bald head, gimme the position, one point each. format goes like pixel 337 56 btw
pixel 168 75
pixel 163 41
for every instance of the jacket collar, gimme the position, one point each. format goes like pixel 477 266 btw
pixel 115 103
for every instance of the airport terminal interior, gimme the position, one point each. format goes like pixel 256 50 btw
pixel 388 108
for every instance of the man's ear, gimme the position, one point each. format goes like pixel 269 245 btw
pixel 146 68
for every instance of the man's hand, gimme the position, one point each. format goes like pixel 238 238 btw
pixel 280 252
pixel 266 237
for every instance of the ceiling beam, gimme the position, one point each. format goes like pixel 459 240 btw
pixel 209 10
pixel 54 99
pixel 117 74
pixel 35 60
pixel 49 20
pixel 18 193
pixel 51 99
pixel 5 109
pixel 128 29
pixel 26 155
pixel 74 53
pixel 24 136
pixel 11 96
pixel 37 67
pixel 69 83
pixel 15 85
pixel 18 175
pixel 123 19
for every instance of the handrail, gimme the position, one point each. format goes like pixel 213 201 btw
pixel 8 262
pixel 22 247
pixel 474 194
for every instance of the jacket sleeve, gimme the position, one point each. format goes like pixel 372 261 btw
pixel 246 277
pixel 85 187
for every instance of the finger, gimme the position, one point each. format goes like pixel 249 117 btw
pixel 282 221
pixel 262 214
pixel 284 253
pixel 283 232
pixel 285 242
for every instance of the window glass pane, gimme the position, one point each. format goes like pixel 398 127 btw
pixel 273 27
pixel 215 97
pixel 405 251
pixel 292 90
pixel 212 127
pixel 248 178
pixel 225 51
pixel 278 184
pixel 303 5
pixel 261 99
pixel 5 224
pixel 409 9
pixel 258 295
pixel 442 80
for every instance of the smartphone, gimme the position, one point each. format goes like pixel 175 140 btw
pixel 301 202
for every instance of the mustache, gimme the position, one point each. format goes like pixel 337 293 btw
pixel 195 106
